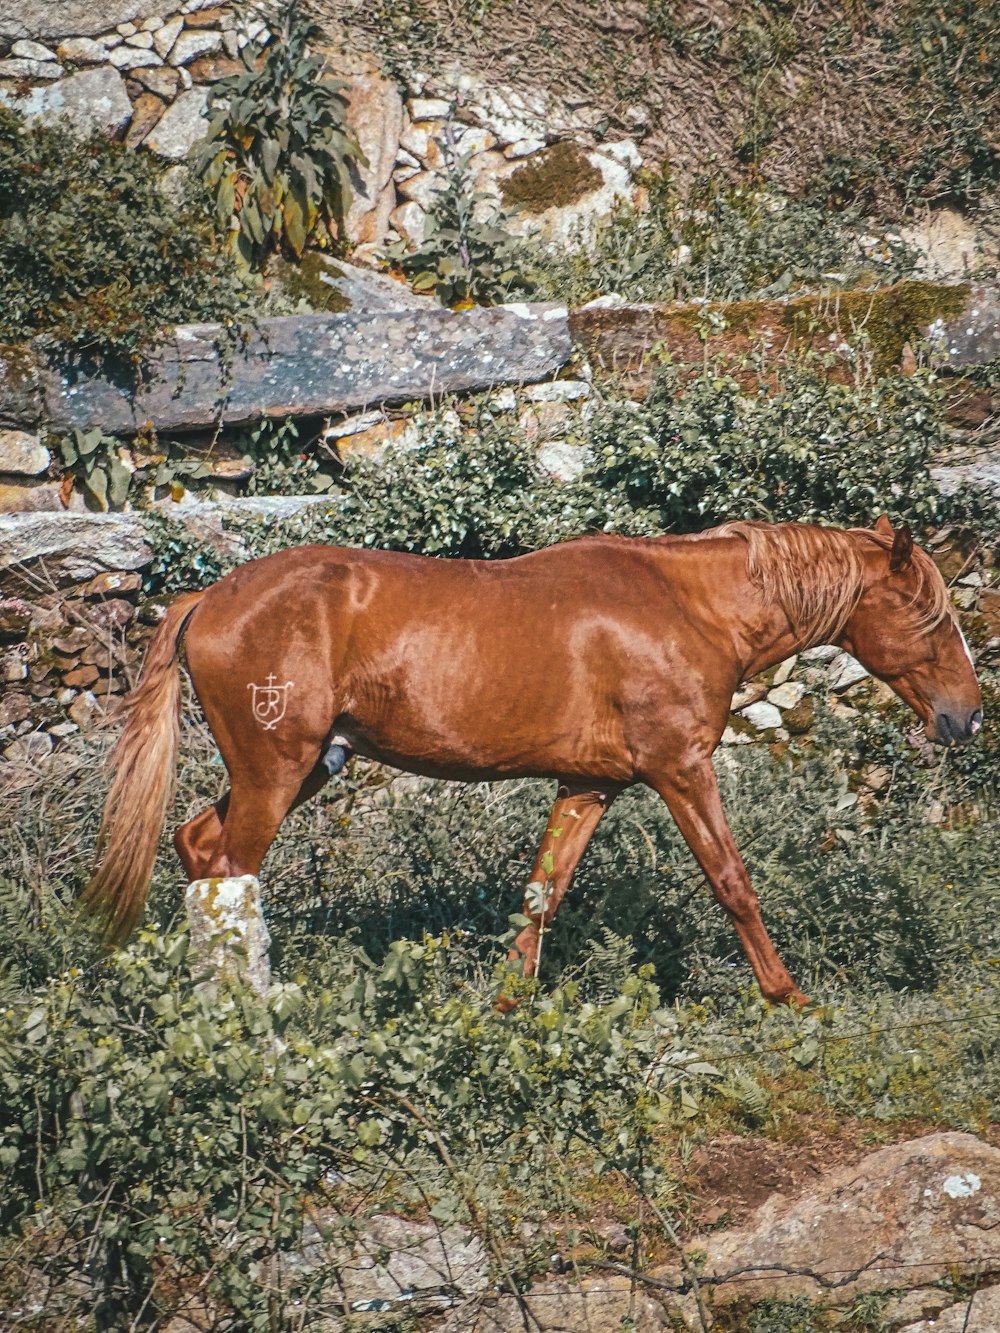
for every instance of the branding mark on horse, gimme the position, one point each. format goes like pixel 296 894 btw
pixel 269 701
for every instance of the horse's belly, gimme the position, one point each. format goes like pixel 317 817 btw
pixel 506 748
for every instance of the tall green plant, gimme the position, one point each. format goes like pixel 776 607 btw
pixel 280 152
pixel 467 253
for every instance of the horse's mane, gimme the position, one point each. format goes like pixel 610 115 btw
pixel 817 575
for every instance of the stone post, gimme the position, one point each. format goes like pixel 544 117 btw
pixel 224 913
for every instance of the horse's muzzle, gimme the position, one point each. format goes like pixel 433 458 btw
pixel 957 730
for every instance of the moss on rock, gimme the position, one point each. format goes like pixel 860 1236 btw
pixel 557 176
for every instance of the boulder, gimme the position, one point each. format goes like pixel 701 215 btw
pixel 559 191
pixel 910 1215
pixel 375 110
pixel 93 99
pixel 963 322
pixel 313 365
pixel 22 453
pixel 73 546
pixel 181 125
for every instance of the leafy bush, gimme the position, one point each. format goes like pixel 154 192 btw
pixel 705 447
pixel 467 254
pixel 94 255
pixel 281 464
pixel 279 151
pixel 170 1140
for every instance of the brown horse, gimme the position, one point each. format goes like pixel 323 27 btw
pixel 602 663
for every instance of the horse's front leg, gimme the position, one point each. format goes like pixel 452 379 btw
pixel 574 817
pixel 692 795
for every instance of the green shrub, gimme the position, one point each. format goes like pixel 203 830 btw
pixel 94 256
pixel 704 448
pixel 279 152
pixel 166 1138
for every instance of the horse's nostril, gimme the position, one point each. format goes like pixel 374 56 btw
pixel 976 722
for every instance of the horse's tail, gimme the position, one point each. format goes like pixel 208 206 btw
pixel 143 763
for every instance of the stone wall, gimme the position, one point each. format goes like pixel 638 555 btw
pixel 143 74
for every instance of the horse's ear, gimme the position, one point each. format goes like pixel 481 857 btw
pixel 901 554
pixel 883 526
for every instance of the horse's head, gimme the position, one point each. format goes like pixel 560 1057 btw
pixel 903 630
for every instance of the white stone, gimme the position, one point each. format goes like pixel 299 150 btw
pixel 128 57
pixel 845 671
pixel 142 41
pixel 186 80
pixel 624 152
pixel 763 716
pixel 93 99
pixel 784 670
pixel 22 453
pixel 473 139
pixel 85 50
pixel 556 391
pixel 563 460
pixel 194 43
pixel 523 148
pixel 747 694
pixel 732 737
pixel 153 24
pixel 164 38
pixel 30 69
pixel 126 29
pixel 231 43
pixel 787 695
pixel 823 652
pixel 421 188
pixel 181 125
pixel 429 108
pixel 28 50
pixel 416 138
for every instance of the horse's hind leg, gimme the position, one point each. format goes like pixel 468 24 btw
pixel 200 842
pixel 574 818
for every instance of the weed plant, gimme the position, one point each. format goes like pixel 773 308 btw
pixel 718 243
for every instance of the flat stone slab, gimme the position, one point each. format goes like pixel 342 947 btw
pixel 40 19
pixel 310 365
pixel 75 546
pixel 620 337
